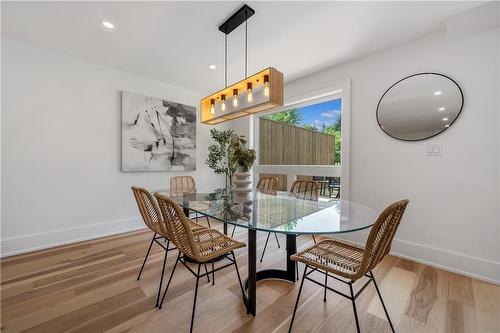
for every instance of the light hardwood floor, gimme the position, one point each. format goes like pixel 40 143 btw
pixel 91 287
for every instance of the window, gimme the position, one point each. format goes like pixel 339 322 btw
pixel 307 135
pixel 304 141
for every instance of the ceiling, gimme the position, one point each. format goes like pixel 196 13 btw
pixel 174 42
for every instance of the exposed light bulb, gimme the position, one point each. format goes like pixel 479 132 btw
pixel 108 24
pixel 249 92
pixel 235 98
pixel 266 85
pixel 223 102
pixel 212 106
pixel 250 96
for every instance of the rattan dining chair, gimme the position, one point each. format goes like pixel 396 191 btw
pixel 351 262
pixel 151 216
pixel 196 246
pixel 301 189
pixel 182 184
pixel 185 184
pixel 268 185
pixel 305 189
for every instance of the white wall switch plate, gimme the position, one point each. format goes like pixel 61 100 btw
pixel 434 149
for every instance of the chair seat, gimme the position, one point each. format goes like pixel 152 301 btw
pixel 213 244
pixel 332 256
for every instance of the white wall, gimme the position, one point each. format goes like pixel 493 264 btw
pixel 61 178
pixel 453 219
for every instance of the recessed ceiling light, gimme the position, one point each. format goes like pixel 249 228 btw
pixel 445 119
pixel 108 24
pixel 212 67
pixel 442 108
pixel 437 93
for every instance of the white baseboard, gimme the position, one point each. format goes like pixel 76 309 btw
pixel 477 268
pixel 39 241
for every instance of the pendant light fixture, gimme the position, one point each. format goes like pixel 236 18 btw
pixel 256 93
pixel 235 98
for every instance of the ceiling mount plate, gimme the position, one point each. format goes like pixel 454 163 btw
pixel 243 14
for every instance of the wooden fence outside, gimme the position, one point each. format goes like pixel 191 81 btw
pixel 284 144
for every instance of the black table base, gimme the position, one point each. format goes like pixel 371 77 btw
pixel 254 276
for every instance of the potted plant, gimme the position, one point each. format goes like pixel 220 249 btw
pixel 221 154
pixel 244 158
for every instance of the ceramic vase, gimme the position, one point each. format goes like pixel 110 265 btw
pixel 242 187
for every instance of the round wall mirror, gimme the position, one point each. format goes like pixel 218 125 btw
pixel 419 106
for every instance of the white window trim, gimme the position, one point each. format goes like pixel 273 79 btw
pixel 340 90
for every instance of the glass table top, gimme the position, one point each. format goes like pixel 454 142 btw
pixel 282 213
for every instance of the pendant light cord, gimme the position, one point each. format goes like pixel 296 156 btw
pixel 246 46
pixel 225 61
pixel 246 52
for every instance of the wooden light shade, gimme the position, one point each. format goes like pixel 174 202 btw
pixel 260 102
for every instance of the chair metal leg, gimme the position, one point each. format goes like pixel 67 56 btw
pixel 206 271
pixel 314 239
pixel 213 274
pixel 353 300
pixel 146 257
pixel 208 222
pixel 195 295
pixel 239 278
pixel 326 284
pixel 162 272
pixel 232 233
pixel 297 301
pixel 265 246
pixel 277 241
pixel 169 280
pixel 381 301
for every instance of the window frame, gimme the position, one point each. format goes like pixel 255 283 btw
pixel 340 90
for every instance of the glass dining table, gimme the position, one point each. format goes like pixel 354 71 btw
pixel 281 213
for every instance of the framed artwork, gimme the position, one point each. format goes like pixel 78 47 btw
pixel 157 135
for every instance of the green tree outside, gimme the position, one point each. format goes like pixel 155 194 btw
pixel 310 127
pixel 335 130
pixel 291 117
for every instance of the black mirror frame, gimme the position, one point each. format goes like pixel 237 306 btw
pixel 417 74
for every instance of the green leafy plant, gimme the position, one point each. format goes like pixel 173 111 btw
pixel 291 117
pixel 335 130
pixel 310 127
pixel 244 157
pixel 221 153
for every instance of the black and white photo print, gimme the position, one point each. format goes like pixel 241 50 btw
pixel 157 135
